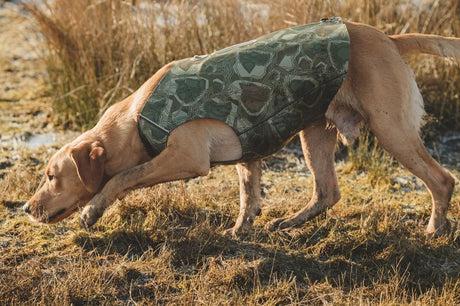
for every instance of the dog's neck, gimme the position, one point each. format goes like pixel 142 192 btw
pixel 120 139
pixel 117 130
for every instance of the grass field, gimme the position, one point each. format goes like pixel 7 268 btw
pixel 163 245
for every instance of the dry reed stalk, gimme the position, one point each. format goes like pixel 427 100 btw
pixel 98 52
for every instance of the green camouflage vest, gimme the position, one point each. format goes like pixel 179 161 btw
pixel 267 89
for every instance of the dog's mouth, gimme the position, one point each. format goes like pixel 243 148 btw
pixel 56 217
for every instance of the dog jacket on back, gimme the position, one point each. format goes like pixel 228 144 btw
pixel 266 90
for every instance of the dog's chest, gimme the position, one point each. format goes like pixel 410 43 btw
pixel 267 89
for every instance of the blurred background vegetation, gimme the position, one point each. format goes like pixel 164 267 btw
pixel 99 51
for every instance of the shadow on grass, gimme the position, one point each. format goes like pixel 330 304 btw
pixel 122 242
pixel 326 255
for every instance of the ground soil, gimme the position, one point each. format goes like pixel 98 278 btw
pixel 25 114
pixel 22 92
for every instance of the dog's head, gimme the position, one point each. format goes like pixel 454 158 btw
pixel 73 176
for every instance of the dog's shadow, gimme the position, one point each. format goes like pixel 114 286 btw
pixel 262 257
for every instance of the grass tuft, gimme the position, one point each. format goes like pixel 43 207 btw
pixel 97 52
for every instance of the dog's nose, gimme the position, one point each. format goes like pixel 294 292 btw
pixel 26 208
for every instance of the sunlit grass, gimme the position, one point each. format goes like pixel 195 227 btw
pixel 164 244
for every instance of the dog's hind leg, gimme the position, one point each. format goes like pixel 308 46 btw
pixel 249 178
pixel 400 138
pixel 318 146
pixel 390 101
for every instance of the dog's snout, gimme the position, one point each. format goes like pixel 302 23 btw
pixel 26 208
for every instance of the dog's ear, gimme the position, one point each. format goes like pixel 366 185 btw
pixel 89 159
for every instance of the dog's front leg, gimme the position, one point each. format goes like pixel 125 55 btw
pixel 116 188
pixel 249 177
pixel 318 143
pixel 177 161
pixel 94 210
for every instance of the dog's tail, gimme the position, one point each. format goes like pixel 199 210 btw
pixel 428 44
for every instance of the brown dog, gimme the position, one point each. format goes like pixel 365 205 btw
pixel 108 161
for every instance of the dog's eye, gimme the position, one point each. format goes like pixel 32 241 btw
pixel 50 177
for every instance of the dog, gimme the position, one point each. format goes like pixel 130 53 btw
pixel 106 162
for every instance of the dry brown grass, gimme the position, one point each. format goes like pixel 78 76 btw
pixel 97 52
pixel 163 245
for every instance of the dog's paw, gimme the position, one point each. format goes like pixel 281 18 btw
pixel 444 229
pixel 89 216
pixel 231 233
pixel 238 230
pixel 273 225
pixel 281 223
